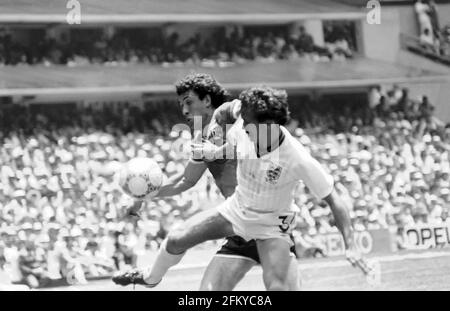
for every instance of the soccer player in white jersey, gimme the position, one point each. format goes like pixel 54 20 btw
pixel 270 165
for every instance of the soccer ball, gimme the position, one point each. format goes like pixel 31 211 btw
pixel 141 178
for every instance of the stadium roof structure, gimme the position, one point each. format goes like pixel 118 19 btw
pixel 162 11
pixel 100 79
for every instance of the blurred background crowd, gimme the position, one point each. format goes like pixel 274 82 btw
pixel 219 47
pixel 150 46
pixel 432 37
pixel 62 213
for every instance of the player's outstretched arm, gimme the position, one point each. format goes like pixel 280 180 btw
pixel 369 268
pixel 321 184
pixel 175 185
pixel 342 217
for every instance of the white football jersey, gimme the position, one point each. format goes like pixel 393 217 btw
pixel 267 184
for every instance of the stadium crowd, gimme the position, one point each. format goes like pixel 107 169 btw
pixel 137 46
pixel 390 162
pixel 62 211
pixel 60 202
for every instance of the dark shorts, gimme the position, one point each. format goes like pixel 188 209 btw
pixel 236 246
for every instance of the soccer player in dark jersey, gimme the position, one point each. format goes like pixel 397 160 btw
pixel 202 98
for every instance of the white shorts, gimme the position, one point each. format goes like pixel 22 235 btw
pixel 250 224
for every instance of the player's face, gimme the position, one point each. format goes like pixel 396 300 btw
pixel 192 106
pixel 264 133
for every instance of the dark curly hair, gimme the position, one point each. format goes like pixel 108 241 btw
pixel 266 103
pixel 203 84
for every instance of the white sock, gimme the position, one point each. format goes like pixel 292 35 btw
pixel 163 262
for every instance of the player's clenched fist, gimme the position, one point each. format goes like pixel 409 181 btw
pixel 202 149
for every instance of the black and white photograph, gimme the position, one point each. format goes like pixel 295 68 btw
pixel 224 145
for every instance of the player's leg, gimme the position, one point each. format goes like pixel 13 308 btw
pixel 207 225
pixel 224 273
pixel 232 261
pixel 275 261
pixel 204 226
pixel 294 279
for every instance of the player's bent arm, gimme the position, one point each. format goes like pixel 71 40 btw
pixel 341 216
pixel 184 181
pixel 223 119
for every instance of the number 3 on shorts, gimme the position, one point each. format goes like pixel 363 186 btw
pixel 286 222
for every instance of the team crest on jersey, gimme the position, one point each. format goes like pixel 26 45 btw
pixel 273 174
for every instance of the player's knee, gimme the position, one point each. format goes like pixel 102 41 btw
pixel 175 242
pixel 277 285
pixel 276 282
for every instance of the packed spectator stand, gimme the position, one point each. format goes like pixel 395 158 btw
pixel 150 46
